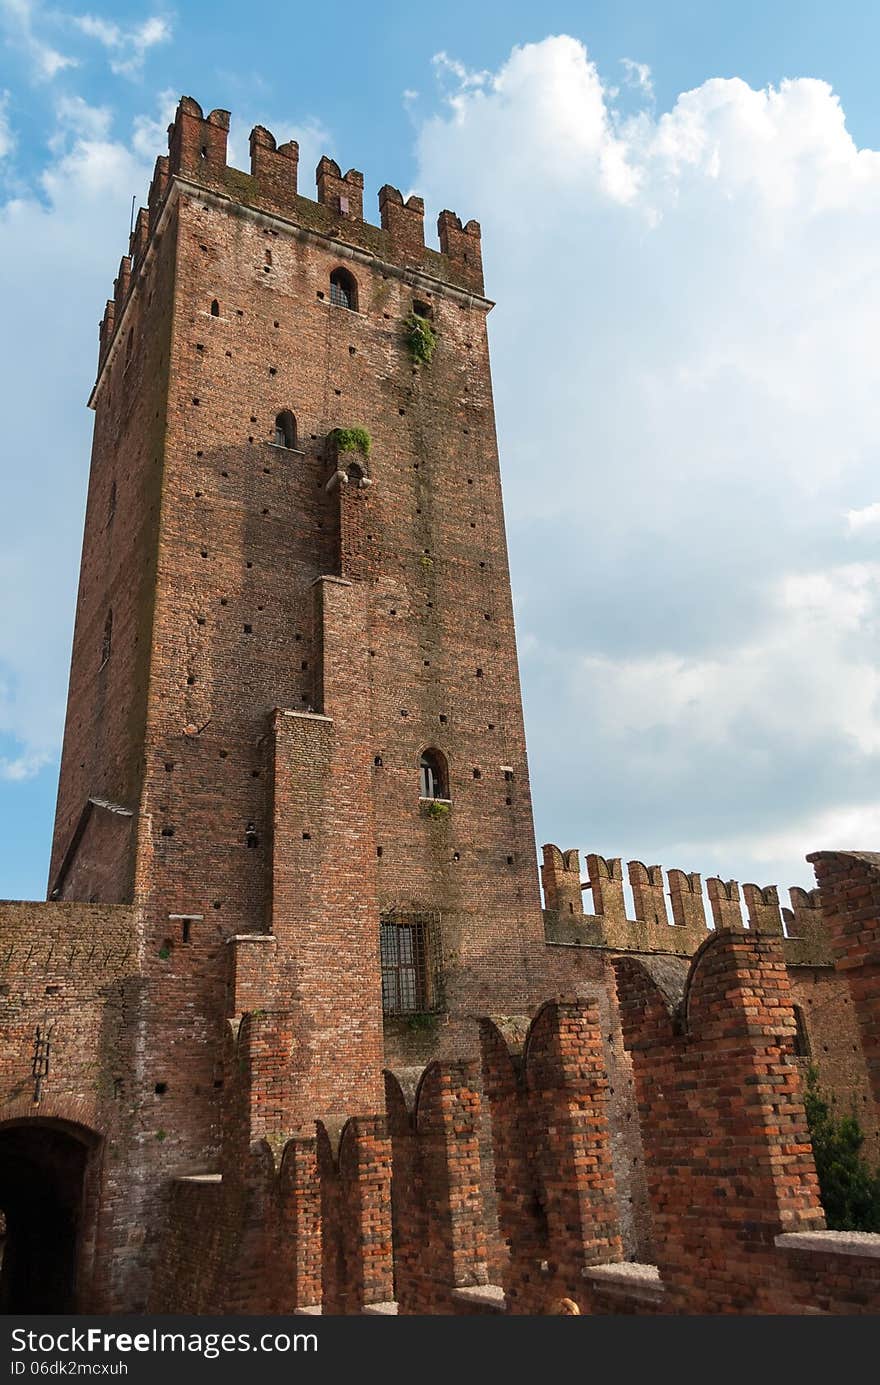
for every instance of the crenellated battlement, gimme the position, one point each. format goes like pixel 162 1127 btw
pixel 197 154
pixel 669 913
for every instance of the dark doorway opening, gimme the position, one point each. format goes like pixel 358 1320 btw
pixel 42 1185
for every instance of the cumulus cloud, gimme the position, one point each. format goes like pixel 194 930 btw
pixel 128 47
pixel 689 417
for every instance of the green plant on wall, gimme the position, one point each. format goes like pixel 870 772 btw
pixel 352 440
pixel 421 338
pixel 438 811
pixel 848 1187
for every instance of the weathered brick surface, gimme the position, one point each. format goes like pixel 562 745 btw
pixel 355 1176
pixel 723 1124
pixel 849 885
pixel 439 1235
pixel 547 1087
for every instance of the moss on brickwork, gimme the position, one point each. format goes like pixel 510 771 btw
pixel 352 440
pixel 421 338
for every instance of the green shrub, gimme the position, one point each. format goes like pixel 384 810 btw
pixel 849 1188
pixel 438 810
pixel 352 440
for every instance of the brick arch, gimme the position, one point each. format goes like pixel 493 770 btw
pixel 77 1113
pixel 51 1159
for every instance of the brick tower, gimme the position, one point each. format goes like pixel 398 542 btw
pixel 294 742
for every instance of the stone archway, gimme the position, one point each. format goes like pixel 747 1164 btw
pixel 47 1172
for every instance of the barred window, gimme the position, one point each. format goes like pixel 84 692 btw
pixel 343 289
pixel 409 982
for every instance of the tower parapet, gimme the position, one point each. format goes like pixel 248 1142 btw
pixel 197 155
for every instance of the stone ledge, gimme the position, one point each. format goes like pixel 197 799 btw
pixel 380 1310
pixel 486 1295
pixel 865 1243
pixel 628 1277
pixel 313 1311
pixel 199 1178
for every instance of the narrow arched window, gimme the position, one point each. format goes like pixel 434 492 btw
pixel 801 1037
pixel 107 639
pixel 343 289
pixel 285 429
pixel 215 308
pixel 433 778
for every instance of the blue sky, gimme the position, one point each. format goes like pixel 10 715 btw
pixel 689 419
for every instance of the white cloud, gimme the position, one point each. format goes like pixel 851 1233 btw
pixel 702 700
pixel 76 119
pixel 128 46
pixel 638 75
pixel 866 518
pixel 20 19
pixel 150 135
pixel 688 394
pixel 22 768
pixel 7 139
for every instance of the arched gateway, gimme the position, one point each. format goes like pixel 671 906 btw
pixel 48 1171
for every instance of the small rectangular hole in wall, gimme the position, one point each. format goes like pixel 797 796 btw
pixel 160 1088
pixel 185 930
pixel 53 990
pixel 248 629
